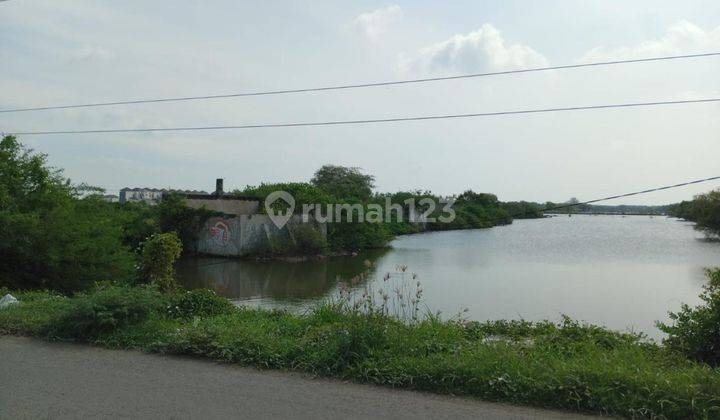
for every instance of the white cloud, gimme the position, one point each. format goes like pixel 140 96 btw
pixel 481 50
pixel 376 23
pixel 92 53
pixel 682 38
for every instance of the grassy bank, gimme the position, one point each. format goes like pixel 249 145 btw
pixel 566 365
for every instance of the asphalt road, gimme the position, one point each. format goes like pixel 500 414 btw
pixel 50 380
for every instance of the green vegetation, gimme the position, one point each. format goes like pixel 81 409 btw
pixel 476 210
pixel 54 235
pixel 174 216
pixel 49 237
pixel 561 365
pixel 695 332
pixel 345 184
pixel 704 210
pixel 349 186
pixel 159 254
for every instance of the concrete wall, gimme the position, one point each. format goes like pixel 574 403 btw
pixel 225 205
pixel 247 234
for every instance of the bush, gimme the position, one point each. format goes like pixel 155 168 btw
pixel 33 314
pixel 335 347
pixel 302 192
pixel 349 236
pixel 158 260
pixel 89 315
pixel 175 216
pixel 695 332
pixel 198 303
pixel 704 210
pixel 308 240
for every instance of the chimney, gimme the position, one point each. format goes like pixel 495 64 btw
pixel 219 186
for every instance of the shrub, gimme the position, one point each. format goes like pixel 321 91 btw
pixel 349 236
pixel 175 216
pixel 198 303
pixel 302 192
pixel 309 240
pixel 704 210
pixel 88 315
pixel 158 259
pixel 298 239
pixel 334 347
pixel 32 315
pixel 695 332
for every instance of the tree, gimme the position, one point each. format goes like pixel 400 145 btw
pixel 49 237
pixel 695 331
pixel 482 199
pixel 302 192
pixel 175 216
pixel 704 210
pixel 158 260
pixel 344 183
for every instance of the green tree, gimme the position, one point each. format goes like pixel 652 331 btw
pixel 704 210
pixel 695 332
pixel 302 192
pixel 175 216
pixel 344 182
pixel 49 236
pixel 158 260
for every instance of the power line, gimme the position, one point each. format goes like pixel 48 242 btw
pixel 361 85
pixel 368 121
pixel 612 197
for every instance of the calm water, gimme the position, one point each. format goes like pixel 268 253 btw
pixel 621 272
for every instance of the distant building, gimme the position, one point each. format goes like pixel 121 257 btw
pixel 229 204
pixel 110 198
pixel 150 195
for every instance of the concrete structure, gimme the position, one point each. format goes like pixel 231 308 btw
pixel 248 234
pixel 229 204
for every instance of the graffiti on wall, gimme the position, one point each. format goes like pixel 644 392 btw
pixel 220 233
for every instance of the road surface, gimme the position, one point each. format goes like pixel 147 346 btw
pixel 51 380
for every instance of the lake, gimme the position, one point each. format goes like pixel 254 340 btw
pixel 621 272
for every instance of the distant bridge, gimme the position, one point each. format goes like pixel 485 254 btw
pixel 606 213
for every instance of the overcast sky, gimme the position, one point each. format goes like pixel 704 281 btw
pixel 63 52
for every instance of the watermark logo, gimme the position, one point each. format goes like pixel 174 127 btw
pixel 280 207
pixel 274 204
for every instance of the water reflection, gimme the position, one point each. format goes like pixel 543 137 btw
pixel 281 281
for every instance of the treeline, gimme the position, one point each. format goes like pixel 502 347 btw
pixel 408 211
pixel 573 207
pixel 54 235
pixel 704 210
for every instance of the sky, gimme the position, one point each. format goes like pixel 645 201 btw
pixel 55 53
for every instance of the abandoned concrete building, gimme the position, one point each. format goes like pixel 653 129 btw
pixel 240 228
pixel 229 204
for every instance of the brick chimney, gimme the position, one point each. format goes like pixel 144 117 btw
pixel 219 186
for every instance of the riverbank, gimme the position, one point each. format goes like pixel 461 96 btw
pixel 567 365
